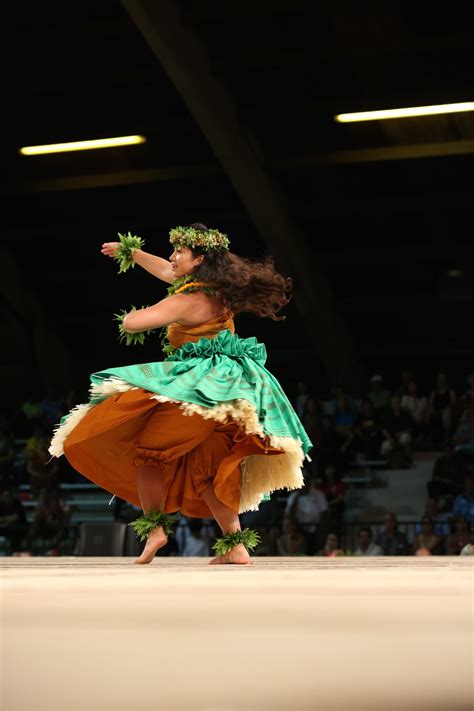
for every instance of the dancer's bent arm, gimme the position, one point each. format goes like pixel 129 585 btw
pixel 190 309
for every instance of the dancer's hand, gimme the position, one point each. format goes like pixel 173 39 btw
pixel 110 248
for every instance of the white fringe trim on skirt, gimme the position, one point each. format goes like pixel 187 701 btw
pixel 261 473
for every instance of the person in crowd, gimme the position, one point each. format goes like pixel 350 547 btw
pixel 368 434
pixel 379 395
pixel 51 520
pixel 365 543
pixel 464 503
pixel 343 423
pixel 447 478
pixel 463 437
pixel 43 471
pixel 27 417
pixel 301 400
pixel 52 408
pixel 13 521
pixel 7 457
pixel 397 429
pixel 441 521
pixel 331 547
pixel 337 395
pixel 427 538
pixel 415 404
pixel 391 540
pixel 460 537
pixel 292 540
pixel 197 542
pixel 440 406
pixel 334 490
pixel 309 508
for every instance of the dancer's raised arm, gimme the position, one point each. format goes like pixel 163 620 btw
pixel 159 267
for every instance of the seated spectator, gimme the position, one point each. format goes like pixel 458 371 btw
pixel 292 540
pixel 397 428
pixel 415 404
pixel 343 423
pixel 268 542
pixel 301 399
pixel 368 434
pixel 338 394
pixel 441 521
pixel 464 503
pixel 7 457
pixel 366 546
pixel 378 394
pixel 441 402
pixel 27 417
pixel 13 522
pixel 460 536
pixel 449 470
pixel 41 468
pixel 308 507
pixel 331 547
pixel 51 520
pixel 334 490
pixel 463 437
pixel 427 539
pixel 197 542
pixel 52 408
pixel 391 540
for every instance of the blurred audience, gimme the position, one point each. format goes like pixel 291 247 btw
pixel 51 520
pixel 391 540
pixel 365 543
pixel 292 540
pixel 427 538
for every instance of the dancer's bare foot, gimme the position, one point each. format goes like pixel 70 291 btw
pixel 156 540
pixel 238 555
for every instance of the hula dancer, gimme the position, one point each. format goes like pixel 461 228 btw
pixel 208 431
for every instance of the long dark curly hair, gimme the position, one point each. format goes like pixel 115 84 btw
pixel 243 284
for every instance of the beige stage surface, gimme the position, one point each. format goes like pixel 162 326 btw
pixel 333 634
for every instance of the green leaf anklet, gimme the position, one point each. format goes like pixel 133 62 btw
pixel 124 252
pixel 248 537
pixel 154 518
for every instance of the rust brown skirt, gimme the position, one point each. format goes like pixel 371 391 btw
pixel 131 429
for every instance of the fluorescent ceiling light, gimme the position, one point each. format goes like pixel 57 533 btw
pixel 405 113
pixel 82 145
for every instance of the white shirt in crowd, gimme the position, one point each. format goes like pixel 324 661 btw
pixel 373 549
pixel 309 507
pixel 416 406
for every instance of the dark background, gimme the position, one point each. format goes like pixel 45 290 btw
pixel 381 210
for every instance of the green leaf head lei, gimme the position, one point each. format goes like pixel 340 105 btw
pixel 204 239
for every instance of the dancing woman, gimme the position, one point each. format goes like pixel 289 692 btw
pixel 208 431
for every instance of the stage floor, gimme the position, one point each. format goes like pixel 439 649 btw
pixel 319 634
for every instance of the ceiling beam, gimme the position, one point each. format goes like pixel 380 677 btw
pixel 378 154
pixel 278 165
pixel 186 62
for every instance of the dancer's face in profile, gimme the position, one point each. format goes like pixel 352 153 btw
pixel 183 262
